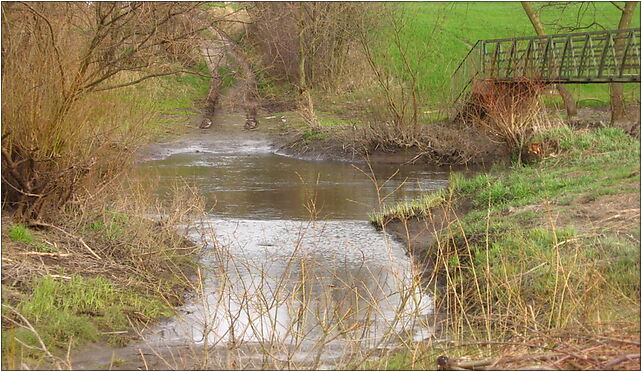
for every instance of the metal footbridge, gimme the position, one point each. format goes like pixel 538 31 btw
pixel 587 57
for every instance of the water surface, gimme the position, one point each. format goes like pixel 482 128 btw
pixel 291 259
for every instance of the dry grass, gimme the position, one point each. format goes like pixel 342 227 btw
pixel 535 274
pixel 491 314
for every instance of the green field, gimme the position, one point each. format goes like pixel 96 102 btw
pixel 438 36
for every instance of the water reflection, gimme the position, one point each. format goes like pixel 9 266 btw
pixel 306 285
pixel 291 259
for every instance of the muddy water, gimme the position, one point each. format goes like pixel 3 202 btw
pixel 247 178
pixel 293 271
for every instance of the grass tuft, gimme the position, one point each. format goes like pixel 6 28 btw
pixel 412 208
pixel 78 310
pixel 20 233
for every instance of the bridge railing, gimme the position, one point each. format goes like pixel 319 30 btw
pixel 586 57
pixel 589 57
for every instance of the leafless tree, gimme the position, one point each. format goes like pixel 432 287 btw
pixel 397 77
pixel 305 43
pixel 618 109
pixel 533 16
pixel 54 55
pixel 572 16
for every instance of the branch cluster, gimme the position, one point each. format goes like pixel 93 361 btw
pixel 315 35
pixel 55 58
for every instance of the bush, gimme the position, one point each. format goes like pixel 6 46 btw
pixel 62 131
pixel 509 110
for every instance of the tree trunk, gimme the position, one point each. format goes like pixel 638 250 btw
pixel 618 107
pixel 301 34
pixel 567 97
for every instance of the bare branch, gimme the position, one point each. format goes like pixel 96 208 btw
pixel 149 77
pixel 621 9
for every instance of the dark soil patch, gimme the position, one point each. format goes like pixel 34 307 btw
pixel 600 117
pixel 611 214
pixel 618 213
pixel 270 106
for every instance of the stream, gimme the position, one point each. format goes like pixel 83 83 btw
pixel 294 275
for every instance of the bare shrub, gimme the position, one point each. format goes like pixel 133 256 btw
pixel 59 128
pixel 306 43
pixel 398 92
pixel 508 110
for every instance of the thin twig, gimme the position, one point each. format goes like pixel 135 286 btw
pixel 48 254
pixel 621 359
pixel 38 223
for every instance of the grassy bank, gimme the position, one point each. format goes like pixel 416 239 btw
pixel 101 273
pixel 546 249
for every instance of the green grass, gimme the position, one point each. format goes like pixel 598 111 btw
pixel 228 77
pixel 76 310
pixel 438 36
pixel 221 4
pixel 183 90
pixel 112 227
pixel 590 162
pixel 156 107
pixel 20 233
pixel 412 208
pixel 311 134
pixel 65 306
pixel 327 119
pixel 524 251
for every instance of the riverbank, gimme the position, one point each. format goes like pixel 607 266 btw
pixel 98 274
pixel 102 271
pixel 342 131
pixel 584 152
pixel 548 252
